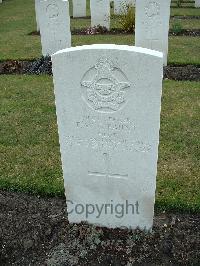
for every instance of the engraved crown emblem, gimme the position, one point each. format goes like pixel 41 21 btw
pixel 104 92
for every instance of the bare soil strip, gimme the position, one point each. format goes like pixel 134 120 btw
pixel 116 31
pixel 35 231
pixel 43 66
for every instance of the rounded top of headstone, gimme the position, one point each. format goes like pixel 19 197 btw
pixel 111 47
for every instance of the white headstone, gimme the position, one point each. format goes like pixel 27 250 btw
pixel 152 25
pixel 108 101
pixel 54 25
pixel 79 8
pixel 100 13
pixel 132 2
pixel 197 3
pixel 120 6
pixel 37 15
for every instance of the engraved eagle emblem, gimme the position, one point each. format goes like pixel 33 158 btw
pixel 105 91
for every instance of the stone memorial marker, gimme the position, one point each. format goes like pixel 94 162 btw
pixel 54 25
pixel 79 8
pixel 197 3
pixel 108 101
pixel 100 13
pixel 152 25
pixel 37 15
pixel 120 6
pixel 132 2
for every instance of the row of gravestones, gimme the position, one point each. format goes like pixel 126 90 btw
pixel 120 6
pixel 151 28
pixel 100 10
pixel 108 102
pixel 79 6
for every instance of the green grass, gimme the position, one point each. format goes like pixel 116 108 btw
pixel 185 11
pixel 181 49
pixel 186 23
pixel 29 143
pixel 17 19
pixel 178 179
pixel 79 23
pixel 184 50
pixel 30 151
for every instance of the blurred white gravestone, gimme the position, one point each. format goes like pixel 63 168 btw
pixel 120 6
pixel 37 15
pixel 131 2
pixel 152 25
pixel 54 23
pixel 100 13
pixel 108 113
pixel 197 3
pixel 79 8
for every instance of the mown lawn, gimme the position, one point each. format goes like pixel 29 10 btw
pixel 182 50
pixel 30 159
pixel 79 23
pixel 17 20
pixel 184 23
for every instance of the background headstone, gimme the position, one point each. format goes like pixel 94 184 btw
pixel 100 13
pixel 120 6
pixel 152 25
pixel 108 101
pixel 79 8
pixel 197 3
pixel 37 15
pixel 54 25
pixel 132 2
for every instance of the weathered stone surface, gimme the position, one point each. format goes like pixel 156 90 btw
pixel 37 15
pixel 197 3
pixel 120 6
pixel 100 13
pixel 152 25
pixel 79 8
pixel 54 23
pixel 108 101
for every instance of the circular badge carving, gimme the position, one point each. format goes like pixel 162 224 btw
pixel 152 9
pixel 105 87
pixel 52 11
